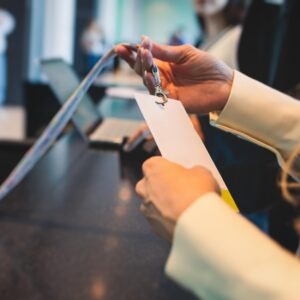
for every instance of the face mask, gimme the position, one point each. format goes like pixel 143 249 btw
pixel 212 7
pixel 275 2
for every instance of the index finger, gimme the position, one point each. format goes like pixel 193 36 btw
pixel 126 54
pixel 140 189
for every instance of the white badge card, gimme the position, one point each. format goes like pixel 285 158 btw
pixel 176 137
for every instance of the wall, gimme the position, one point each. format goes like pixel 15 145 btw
pixel 162 17
pixel 59 29
pixel 128 20
pixel 85 11
pixel 52 31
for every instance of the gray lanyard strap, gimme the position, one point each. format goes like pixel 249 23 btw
pixel 53 130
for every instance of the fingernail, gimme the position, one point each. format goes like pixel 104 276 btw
pixel 144 37
pixel 145 41
pixel 142 55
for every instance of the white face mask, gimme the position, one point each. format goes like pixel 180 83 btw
pixel 210 7
pixel 276 2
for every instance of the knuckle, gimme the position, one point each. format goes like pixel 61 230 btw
pixel 187 48
pixel 146 166
pixel 201 170
pixel 150 163
pixel 139 188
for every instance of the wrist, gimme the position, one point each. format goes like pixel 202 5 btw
pixel 197 199
pixel 225 91
pixel 194 198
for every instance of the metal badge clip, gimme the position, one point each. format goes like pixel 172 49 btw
pixel 159 92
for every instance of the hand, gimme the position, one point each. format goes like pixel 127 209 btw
pixel 142 135
pixel 171 189
pixel 202 82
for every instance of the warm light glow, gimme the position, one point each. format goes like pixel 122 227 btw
pixel 125 192
pixel 98 289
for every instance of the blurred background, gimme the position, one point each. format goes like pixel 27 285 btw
pixel 78 31
pixel 54 28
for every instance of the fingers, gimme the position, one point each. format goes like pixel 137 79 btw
pixel 152 164
pixel 140 132
pixel 138 66
pixel 163 52
pixel 149 166
pixel 147 60
pixel 147 65
pixel 140 189
pixel 150 146
pixel 161 225
pixel 126 54
pixel 141 135
pixel 143 62
pixel 149 82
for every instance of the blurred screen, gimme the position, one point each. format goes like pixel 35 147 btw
pixel 63 81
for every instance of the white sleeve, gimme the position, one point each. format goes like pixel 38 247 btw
pixel 217 254
pixel 262 115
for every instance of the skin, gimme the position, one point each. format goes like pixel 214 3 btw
pixel 200 81
pixel 155 187
pixel 214 18
pixel 203 84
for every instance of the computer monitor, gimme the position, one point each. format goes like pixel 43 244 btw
pixel 63 83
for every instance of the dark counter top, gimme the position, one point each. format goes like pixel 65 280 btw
pixel 72 230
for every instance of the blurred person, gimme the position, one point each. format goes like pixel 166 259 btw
pixel 220 22
pixel 220 25
pixel 94 43
pixel 177 38
pixel 7 25
pixel 216 253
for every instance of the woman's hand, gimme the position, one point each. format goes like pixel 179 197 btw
pixel 199 80
pixel 169 189
pixel 141 136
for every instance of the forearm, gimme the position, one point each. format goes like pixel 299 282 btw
pixel 261 115
pixel 217 254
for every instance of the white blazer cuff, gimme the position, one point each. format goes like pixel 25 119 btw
pixel 261 115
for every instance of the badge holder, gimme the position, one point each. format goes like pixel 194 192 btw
pixel 159 92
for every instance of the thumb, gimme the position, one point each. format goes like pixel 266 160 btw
pixel 166 53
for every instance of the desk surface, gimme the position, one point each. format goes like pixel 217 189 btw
pixel 72 230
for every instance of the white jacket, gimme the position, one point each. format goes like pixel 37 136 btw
pixel 216 253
